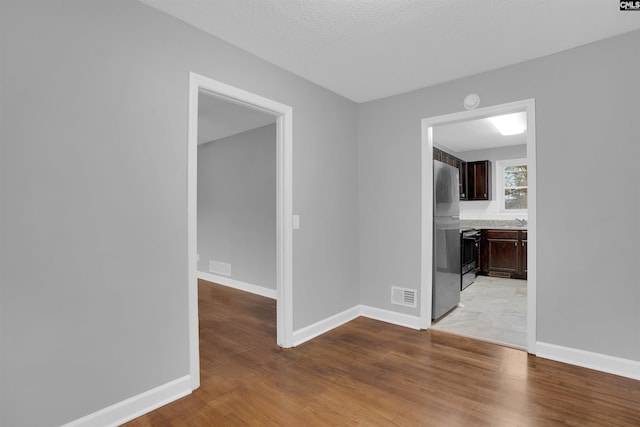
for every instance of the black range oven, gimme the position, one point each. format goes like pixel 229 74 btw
pixel 469 248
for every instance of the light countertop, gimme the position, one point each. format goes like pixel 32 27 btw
pixel 492 224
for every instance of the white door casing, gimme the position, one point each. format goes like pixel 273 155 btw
pixel 527 105
pixel 284 207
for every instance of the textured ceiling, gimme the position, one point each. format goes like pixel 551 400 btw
pixel 370 49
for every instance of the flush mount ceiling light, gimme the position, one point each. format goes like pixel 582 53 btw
pixel 510 124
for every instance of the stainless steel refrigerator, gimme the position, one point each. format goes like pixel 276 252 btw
pixel 446 239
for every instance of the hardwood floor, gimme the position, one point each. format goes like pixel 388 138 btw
pixel 371 373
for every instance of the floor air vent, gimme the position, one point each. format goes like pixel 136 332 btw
pixel 403 296
pixel 220 268
pixel 500 274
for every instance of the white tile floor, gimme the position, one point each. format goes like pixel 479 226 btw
pixel 493 309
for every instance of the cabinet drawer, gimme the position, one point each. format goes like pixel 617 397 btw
pixel 502 234
pixel 523 236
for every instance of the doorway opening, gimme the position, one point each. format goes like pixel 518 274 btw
pixel 428 140
pixel 236 196
pixel 200 86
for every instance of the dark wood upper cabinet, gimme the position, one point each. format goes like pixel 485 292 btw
pixel 461 165
pixel 444 157
pixel 462 169
pixel 448 159
pixel 437 154
pixel 479 180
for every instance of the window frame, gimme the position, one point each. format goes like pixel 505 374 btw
pixel 501 165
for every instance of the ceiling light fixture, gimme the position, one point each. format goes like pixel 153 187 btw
pixel 510 124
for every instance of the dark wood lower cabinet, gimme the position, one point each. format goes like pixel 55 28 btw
pixel 522 273
pixel 503 253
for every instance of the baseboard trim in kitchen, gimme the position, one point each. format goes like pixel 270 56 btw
pixel 136 406
pixel 237 284
pixel 393 317
pixel 325 325
pixel 600 362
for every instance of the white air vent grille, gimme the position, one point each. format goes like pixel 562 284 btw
pixel 220 268
pixel 403 296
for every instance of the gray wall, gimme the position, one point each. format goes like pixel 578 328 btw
pixel 587 152
pixel 237 205
pixel 93 235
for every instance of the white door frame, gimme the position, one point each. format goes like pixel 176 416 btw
pixel 426 286
pixel 284 207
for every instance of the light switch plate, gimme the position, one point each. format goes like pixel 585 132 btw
pixel 296 222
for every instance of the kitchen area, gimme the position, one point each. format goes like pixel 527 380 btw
pixel 480 232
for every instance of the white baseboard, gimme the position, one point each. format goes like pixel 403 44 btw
pixel 232 283
pixel 136 406
pixel 393 317
pixel 325 325
pixel 600 362
pixel 309 332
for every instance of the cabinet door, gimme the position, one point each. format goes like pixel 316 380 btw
pixel 448 159
pixel 503 255
pixel 462 175
pixel 444 157
pixel 478 180
pixel 522 269
pixel 481 181
pixel 501 251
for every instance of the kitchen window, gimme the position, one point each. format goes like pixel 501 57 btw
pixel 512 185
